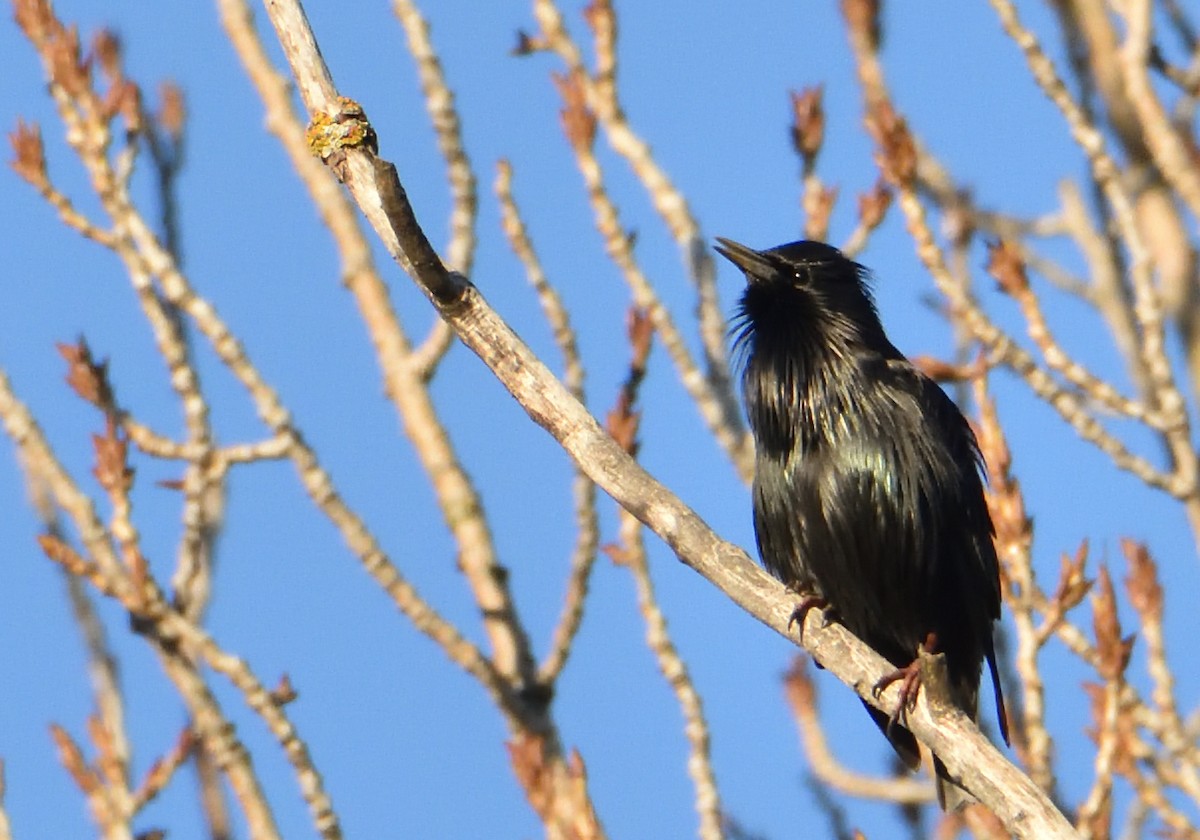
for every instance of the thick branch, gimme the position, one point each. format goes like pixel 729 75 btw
pixel 1022 807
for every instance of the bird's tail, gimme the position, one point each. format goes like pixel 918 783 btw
pixel 950 795
pixel 966 696
pixel 902 741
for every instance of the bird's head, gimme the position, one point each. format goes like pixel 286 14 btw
pixel 807 287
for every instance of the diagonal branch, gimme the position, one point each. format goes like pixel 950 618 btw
pixel 373 182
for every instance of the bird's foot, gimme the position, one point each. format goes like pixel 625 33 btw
pixel 809 601
pixel 909 678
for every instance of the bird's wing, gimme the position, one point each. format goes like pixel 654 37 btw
pixel 860 536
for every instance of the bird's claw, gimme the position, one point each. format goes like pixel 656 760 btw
pixel 808 602
pixel 909 678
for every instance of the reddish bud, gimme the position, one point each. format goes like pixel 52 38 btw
pixel 808 122
pixel 896 152
pixel 578 122
pixel 29 155
pixel 1007 267
pixel 1145 591
pixel 1112 650
pixel 87 377
pixel 873 205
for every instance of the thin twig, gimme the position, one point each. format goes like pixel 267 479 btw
pixel 443 113
pixel 587 537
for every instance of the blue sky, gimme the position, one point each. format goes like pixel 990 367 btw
pixel 408 745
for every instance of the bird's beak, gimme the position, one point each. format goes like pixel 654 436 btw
pixel 756 266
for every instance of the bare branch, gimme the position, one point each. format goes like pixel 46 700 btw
pixel 375 185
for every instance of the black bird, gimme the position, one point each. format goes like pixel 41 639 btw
pixel 868 495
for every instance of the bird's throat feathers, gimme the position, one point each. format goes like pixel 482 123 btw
pixel 789 395
pixel 802 362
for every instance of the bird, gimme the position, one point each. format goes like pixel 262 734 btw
pixel 868 491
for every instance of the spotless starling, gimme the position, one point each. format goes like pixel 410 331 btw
pixel 868 494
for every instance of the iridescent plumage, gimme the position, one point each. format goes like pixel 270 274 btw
pixel 868 491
